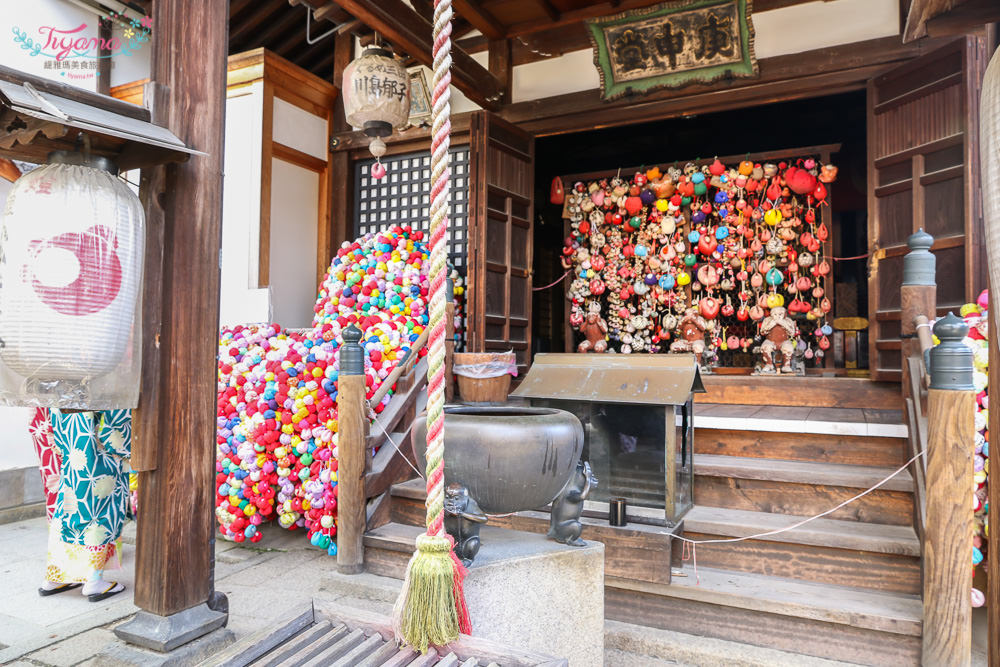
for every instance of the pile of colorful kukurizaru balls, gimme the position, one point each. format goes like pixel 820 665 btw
pixel 277 392
pixel 976 315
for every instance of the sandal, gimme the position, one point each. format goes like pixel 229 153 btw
pixel 113 589
pixel 45 592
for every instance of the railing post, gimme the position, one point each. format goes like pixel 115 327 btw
pixel 947 627
pixel 918 296
pixel 352 420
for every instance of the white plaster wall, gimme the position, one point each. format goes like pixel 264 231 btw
pixel 815 25
pixel 133 66
pixel 300 129
pixel 241 301
pixel 30 16
pixel 294 220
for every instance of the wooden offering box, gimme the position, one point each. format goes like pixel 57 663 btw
pixel 636 412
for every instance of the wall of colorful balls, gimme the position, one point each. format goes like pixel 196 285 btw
pixel 715 243
pixel 976 315
pixel 277 389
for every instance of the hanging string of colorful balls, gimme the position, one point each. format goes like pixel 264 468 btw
pixel 977 316
pixel 647 252
pixel 277 389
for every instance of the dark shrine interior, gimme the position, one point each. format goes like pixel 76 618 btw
pixel 835 119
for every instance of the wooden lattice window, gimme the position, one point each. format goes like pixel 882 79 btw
pixel 403 197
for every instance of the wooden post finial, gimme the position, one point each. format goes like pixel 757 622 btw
pixel 947 563
pixel 352 431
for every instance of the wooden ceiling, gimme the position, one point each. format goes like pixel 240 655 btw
pixel 280 26
pixel 515 31
pixel 537 29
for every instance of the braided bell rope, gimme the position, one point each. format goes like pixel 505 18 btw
pixel 441 175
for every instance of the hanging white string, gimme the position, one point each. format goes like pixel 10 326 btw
pixel 723 540
pixel 374 417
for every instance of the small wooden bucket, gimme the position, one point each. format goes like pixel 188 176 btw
pixel 474 389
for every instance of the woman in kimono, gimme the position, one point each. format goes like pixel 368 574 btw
pixel 92 504
pixel 40 429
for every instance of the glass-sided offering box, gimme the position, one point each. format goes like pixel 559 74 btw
pixel 637 416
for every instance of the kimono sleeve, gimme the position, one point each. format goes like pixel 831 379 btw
pixel 115 432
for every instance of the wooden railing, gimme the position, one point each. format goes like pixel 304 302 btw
pixel 915 407
pixel 939 401
pixel 375 453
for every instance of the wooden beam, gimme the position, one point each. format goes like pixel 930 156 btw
pixel 402 26
pixel 175 545
pixel 549 10
pixel 967 17
pixel 838 69
pixel 104 63
pixel 459 28
pixel 471 11
pixel 425 8
pixel 412 138
pixel 537 46
pixel 502 66
pixel 291 23
pixel 261 13
pixel 610 7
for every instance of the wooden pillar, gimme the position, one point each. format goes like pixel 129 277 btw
pixel 947 626
pixel 501 65
pixel 104 59
pixel 918 296
pixel 352 432
pixel 175 421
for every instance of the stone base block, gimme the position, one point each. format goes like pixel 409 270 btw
pixel 527 591
pixel 122 654
pixel 166 633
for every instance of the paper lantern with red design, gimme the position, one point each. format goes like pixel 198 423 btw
pixel 70 275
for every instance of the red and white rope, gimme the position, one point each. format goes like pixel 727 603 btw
pixel 440 190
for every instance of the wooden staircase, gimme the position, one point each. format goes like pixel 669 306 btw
pixel 844 587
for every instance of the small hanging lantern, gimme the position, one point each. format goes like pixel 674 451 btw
pixel 70 277
pixel 376 90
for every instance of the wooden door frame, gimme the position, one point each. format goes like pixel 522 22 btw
pixel 478 263
pixel 974 278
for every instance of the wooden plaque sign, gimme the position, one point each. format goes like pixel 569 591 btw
pixel 673 44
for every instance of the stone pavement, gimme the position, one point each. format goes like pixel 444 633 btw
pixel 262 581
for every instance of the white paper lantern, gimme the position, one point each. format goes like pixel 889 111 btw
pixel 376 94
pixel 71 249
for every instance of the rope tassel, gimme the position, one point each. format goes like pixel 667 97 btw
pixel 431 608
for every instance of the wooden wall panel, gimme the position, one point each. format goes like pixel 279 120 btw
pixel 923 174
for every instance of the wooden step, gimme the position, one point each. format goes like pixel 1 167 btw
pixel 388 548
pixel 792 419
pixel 808 391
pixel 821 620
pixel 869 537
pixel 817 448
pixel 802 488
pixel 845 553
pixel 638 551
